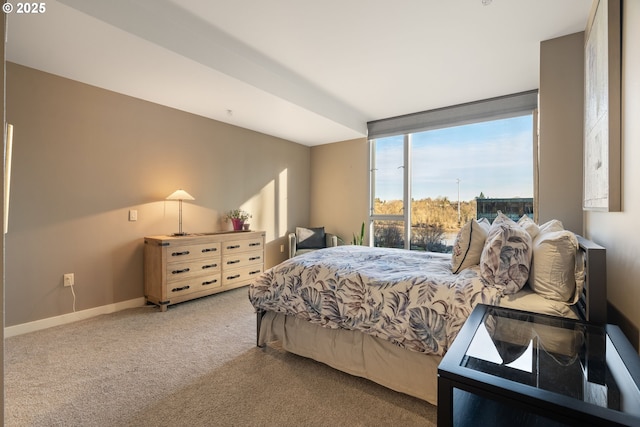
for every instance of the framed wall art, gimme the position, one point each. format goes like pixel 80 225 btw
pixel 602 133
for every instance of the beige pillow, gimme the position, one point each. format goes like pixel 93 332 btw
pixel 529 225
pixel 553 268
pixel 468 245
pixel 506 256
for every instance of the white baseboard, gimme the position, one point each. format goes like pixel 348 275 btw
pixel 37 325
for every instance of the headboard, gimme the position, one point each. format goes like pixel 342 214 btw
pixel 592 305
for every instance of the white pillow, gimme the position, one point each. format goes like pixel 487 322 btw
pixel 485 223
pixel 553 268
pixel 529 225
pixel 550 226
pixel 506 256
pixel 468 245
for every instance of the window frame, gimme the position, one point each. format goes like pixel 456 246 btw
pixel 516 105
pixel 406 192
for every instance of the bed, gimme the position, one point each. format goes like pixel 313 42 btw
pixel 389 315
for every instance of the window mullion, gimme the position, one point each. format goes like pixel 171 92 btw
pixel 372 178
pixel 407 191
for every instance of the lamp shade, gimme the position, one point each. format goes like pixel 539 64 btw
pixel 180 195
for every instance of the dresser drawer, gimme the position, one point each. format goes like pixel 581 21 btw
pixel 230 277
pixel 195 284
pixel 182 270
pixel 236 260
pixel 241 245
pixel 185 253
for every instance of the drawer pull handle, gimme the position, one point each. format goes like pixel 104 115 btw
pixel 233 247
pixel 209 250
pixel 204 267
pixel 184 288
pixel 233 277
pixel 254 244
pixel 235 261
pixel 210 282
pixel 254 258
pixel 254 272
pixel 180 253
pixel 184 270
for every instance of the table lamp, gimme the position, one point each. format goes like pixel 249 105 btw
pixel 180 195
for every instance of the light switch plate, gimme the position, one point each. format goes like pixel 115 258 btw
pixel 133 215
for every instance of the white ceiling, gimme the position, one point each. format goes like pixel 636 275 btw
pixel 310 71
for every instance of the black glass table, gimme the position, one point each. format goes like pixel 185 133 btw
pixel 510 367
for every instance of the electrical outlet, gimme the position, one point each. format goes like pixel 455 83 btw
pixel 68 279
pixel 281 248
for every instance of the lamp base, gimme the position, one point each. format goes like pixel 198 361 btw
pixel 180 234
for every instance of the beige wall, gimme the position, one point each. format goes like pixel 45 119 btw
pixel 618 231
pixel 560 140
pixel 84 156
pixel 339 187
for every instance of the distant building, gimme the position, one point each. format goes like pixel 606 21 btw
pixel 513 208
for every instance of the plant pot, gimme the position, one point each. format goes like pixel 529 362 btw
pixel 237 224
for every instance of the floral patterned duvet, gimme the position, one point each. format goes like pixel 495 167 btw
pixel 409 298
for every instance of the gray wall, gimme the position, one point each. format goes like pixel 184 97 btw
pixel 84 156
pixel 560 139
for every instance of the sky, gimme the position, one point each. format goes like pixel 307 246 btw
pixel 495 158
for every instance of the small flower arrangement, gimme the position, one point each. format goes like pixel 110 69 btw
pixel 237 214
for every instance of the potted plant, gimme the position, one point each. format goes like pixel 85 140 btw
pixel 237 217
pixel 358 239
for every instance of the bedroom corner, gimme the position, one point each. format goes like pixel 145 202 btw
pixel 339 192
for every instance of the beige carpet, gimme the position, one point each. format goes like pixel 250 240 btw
pixel 195 365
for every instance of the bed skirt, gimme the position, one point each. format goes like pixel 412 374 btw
pixel 355 353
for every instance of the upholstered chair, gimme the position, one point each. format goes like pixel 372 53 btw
pixel 310 239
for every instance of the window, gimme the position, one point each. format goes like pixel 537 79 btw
pixel 425 184
pixel 388 181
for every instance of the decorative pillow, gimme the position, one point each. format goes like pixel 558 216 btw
pixel 310 238
pixel 553 269
pixel 550 226
pixel 506 256
pixel 529 225
pixel 485 223
pixel 468 245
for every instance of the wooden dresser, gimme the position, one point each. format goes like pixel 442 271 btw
pixel 181 268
